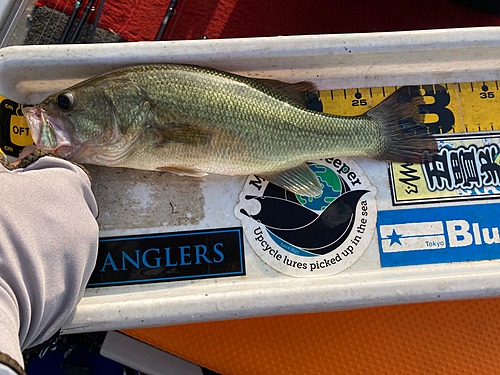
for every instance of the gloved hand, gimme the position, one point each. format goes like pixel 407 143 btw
pixel 48 248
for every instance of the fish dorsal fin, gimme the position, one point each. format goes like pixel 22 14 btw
pixel 296 91
pixel 300 180
pixel 182 133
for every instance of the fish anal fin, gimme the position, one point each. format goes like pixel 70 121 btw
pixel 181 133
pixel 296 91
pixel 191 172
pixel 300 180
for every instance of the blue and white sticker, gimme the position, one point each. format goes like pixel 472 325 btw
pixel 311 236
pixel 439 235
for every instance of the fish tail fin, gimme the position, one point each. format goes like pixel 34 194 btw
pixel 406 138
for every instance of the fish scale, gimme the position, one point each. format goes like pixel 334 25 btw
pixel 193 121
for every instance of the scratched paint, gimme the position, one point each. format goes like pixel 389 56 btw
pixel 130 199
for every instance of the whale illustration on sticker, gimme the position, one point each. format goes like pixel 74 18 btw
pixel 311 236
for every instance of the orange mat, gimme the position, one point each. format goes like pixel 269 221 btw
pixel 459 337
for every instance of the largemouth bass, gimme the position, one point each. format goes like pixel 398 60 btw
pixel 193 121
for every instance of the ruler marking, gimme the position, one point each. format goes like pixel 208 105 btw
pixel 455 110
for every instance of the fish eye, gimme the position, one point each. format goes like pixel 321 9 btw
pixel 65 101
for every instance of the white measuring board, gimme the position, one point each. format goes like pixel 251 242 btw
pixel 142 204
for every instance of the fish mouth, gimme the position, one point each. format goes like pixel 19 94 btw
pixel 49 132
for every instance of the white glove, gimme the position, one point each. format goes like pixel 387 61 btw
pixel 48 248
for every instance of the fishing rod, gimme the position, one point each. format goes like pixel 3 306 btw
pixel 96 21
pixel 69 24
pixel 163 27
pixel 76 34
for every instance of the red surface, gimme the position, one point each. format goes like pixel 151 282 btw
pixel 138 20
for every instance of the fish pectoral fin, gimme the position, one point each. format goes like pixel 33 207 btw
pixel 191 172
pixel 181 133
pixel 296 91
pixel 300 180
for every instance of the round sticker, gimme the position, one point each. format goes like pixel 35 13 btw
pixel 311 236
